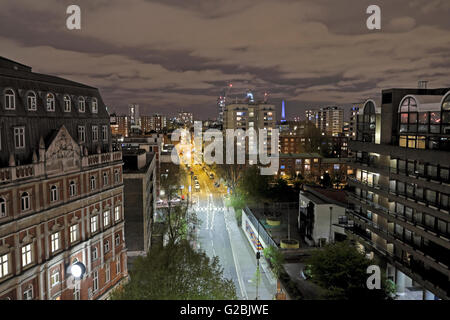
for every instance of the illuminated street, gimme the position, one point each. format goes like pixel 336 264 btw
pixel 219 235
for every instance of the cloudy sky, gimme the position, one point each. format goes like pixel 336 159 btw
pixel 168 55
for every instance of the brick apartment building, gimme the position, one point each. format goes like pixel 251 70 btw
pixel 61 189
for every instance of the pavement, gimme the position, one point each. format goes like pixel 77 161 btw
pixel 219 235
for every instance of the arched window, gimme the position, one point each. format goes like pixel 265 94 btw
pixel 72 188
pixel 50 102
pixel 366 123
pixel 93 183
pixel 445 114
pixel 67 103
pixel 2 207
pixel 94 105
pixel 105 178
pixel 81 104
pixel 53 193
pixel 31 101
pixel 10 99
pixel 25 201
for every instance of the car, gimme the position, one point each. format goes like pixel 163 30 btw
pixel 216 184
pixel 197 187
pixel 195 178
pixel 211 176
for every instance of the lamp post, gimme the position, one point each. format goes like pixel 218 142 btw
pixel 331 217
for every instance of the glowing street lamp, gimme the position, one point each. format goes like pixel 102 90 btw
pixel 77 270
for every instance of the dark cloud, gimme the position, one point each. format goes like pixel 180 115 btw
pixel 170 55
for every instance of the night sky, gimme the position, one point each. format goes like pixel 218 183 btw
pixel 168 55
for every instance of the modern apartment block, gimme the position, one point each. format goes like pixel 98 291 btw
pixel 401 207
pixel 61 189
pixel 156 122
pixel 251 115
pixel 330 120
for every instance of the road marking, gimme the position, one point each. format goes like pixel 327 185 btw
pixel 236 265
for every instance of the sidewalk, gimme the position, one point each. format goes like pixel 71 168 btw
pixel 245 260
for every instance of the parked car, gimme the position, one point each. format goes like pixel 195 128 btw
pixel 211 176
pixel 216 184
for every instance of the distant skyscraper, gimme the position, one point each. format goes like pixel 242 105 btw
pixel 330 120
pixel 134 114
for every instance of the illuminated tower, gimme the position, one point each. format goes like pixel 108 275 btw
pixel 283 112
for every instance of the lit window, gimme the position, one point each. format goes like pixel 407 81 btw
pixel 26 255
pixel 106 218
pixel 10 99
pixel 54 278
pixel 31 101
pixel 4 265
pixel 73 233
pixel 94 224
pixel 67 104
pixel 55 241
pixel 50 102
pixel 117 213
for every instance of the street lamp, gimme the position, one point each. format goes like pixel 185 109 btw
pixel 77 270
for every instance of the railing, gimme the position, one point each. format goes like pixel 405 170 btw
pixel 260 228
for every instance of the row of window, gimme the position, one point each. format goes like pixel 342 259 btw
pixel 416 168
pixel 19 135
pixel 55 278
pixel 419 193
pixel 50 102
pixel 27 255
pixel 25 198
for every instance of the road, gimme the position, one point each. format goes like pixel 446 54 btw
pixel 218 235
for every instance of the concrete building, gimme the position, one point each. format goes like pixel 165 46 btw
pixel 251 115
pixel 61 189
pixel 153 143
pixel 320 211
pixel 400 203
pixel 139 179
pixel 330 120
pixel 311 115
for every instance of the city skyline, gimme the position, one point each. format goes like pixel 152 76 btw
pixel 169 55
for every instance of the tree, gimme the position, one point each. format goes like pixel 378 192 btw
pixel 254 186
pixel 176 272
pixel 276 259
pixel 326 180
pixel 342 270
pixel 282 192
pixel 176 217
